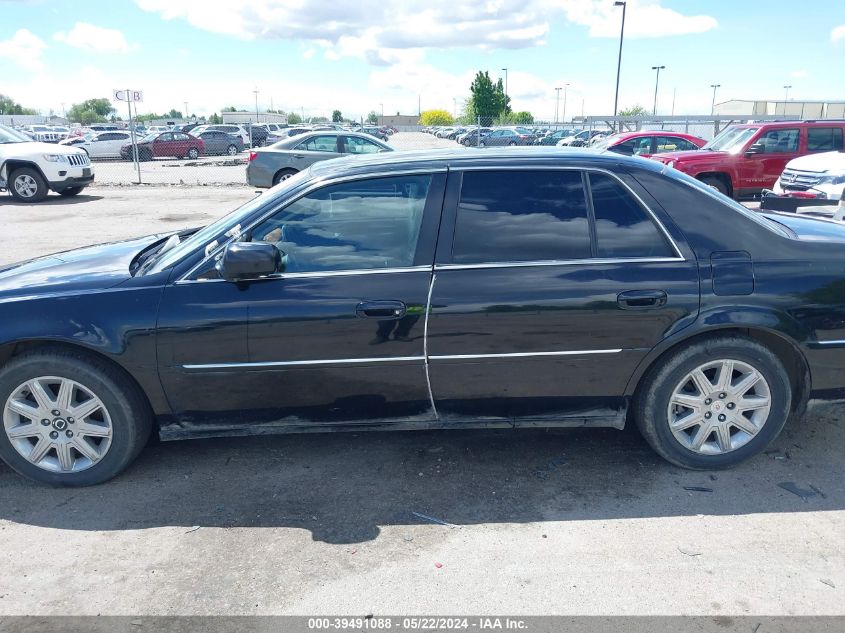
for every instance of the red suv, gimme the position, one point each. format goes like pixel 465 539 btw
pixel 745 159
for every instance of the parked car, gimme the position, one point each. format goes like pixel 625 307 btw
pixel 745 159
pixel 470 137
pixel 103 127
pixel 29 169
pixel 269 166
pixel 554 136
pixel 217 142
pixel 646 143
pixel 102 145
pixel 578 140
pixel 816 176
pixel 454 134
pixel 166 144
pixel 542 289
pixel 508 136
pixel 376 132
pixel 236 130
pixel 42 134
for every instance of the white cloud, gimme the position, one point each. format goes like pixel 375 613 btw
pixel 643 18
pixel 94 38
pixel 838 33
pixel 24 49
pixel 380 31
pixel 799 74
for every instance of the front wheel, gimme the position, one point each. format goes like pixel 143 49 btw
pixel 717 183
pixel 69 419
pixel 28 185
pixel 714 403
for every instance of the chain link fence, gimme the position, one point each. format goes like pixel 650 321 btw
pixel 225 164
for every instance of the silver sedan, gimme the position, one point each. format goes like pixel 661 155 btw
pixel 268 166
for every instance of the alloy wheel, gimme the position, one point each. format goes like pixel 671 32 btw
pixel 26 186
pixel 719 407
pixel 57 424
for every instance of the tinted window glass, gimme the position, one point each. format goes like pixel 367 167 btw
pixel 673 144
pixel 319 144
pixel 778 141
pixel 166 137
pixel 356 225
pixel 357 145
pixel 824 139
pixel 623 227
pixel 511 216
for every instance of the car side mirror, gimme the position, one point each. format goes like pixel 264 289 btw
pixel 249 260
pixel 756 148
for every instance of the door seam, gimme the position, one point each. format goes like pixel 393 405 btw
pixel 425 345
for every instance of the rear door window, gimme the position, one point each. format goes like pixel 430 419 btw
pixel 319 144
pixel 824 139
pixel 515 216
pixel 623 227
pixel 780 141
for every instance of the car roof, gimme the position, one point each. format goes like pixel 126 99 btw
pixel 779 124
pixel 504 157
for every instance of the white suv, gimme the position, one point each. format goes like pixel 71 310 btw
pixel 29 169
pixel 814 176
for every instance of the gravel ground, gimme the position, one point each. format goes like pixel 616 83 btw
pixel 565 522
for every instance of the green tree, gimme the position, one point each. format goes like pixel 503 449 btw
pixel 372 117
pixel 173 114
pixel 487 100
pixel 90 111
pixel 215 119
pixel 229 109
pixel 436 117
pixel 10 106
pixel 337 116
pixel 318 119
pixel 636 110
pixel 294 119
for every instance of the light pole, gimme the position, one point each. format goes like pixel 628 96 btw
pixel 557 102
pixel 381 121
pixel 565 86
pixel 506 88
pixel 186 110
pixel 624 6
pixel 656 82
pixel 786 94
pixel 713 102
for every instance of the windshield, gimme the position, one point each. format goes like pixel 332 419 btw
pixel 205 237
pixel 8 135
pixel 149 138
pixel 731 140
pixel 606 141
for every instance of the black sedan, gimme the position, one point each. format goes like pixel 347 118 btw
pixel 447 289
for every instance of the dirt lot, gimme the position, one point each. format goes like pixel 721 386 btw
pixel 575 522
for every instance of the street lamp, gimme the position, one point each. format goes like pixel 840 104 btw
pixel 506 87
pixel 619 63
pixel 381 121
pixel 656 82
pixel 713 103
pixel 565 86
pixel 557 102
pixel 786 95
pixel 256 116
pixel 186 110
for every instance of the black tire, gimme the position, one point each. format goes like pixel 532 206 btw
pixel 512 144
pixel 655 390
pixel 232 150
pixel 33 178
pixel 717 183
pixel 193 153
pixel 71 191
pixel 144 155
pixel 129 411
pixel 283 174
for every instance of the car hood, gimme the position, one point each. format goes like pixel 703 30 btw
pixel 84 269
pixel 826 161
pixel 47 148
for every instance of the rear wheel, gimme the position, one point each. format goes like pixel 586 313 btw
pixel 284 174
pixel 193 153
pixel 232 150
pixel 69 420
pixel 714 403
pixel 28 185
pixel 512 144
pixel 71 191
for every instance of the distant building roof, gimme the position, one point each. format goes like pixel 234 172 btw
pixel 830 109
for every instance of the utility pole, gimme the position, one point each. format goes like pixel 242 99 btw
pixel 506 87
pixel 713 102
pixel 251 142
pixel 674 94
pixel 557 102
pixel 619 62
pixel 381 120
pixel 656 82
pixel 565 86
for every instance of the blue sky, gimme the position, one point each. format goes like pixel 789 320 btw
pixel 315 56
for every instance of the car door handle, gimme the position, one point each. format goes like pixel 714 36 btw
pixel 642 299
pixel 381 309
pixel 298 156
